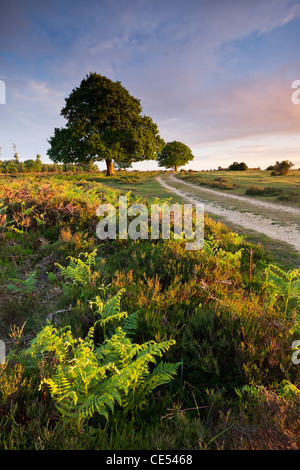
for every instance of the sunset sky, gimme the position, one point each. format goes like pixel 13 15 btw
pixel 215 75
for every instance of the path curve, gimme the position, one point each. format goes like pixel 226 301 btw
pixel 255 202
pixel 287 233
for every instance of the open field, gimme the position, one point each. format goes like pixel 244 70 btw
pixel 283 189
pixel 283 253
pixel 222 329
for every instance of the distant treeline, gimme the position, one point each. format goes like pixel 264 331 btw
pixel 14 166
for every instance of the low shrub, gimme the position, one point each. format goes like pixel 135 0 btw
pixel 222 185
pixel 222 179
pixel 255 190
pixel 272 191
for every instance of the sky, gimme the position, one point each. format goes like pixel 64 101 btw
pixel 216 75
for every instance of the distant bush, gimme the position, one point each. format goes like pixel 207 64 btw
pixel 223 185
pixel 219 182
pixel 235 166
pixel 36 166
pixel 222 179
pixel 282 168
pixel 270 191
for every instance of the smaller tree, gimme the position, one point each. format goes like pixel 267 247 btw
pixel 282 168
pixel 32 166
pixel 38 163
pixel 174 154
pixel 11 167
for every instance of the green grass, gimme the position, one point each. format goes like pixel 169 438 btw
pixel 287 186
pixel 146 186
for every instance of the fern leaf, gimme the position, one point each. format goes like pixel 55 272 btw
pixel 90 379
pixel 162 374
pixel 131 323
pixel 112 306
pixel 59 384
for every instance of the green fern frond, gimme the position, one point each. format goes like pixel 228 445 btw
pixel 50 340
pixel 131 323
pixel 112 306
pixel 59 384
pixel 79 271
pixel 163 373
pixel 116 316
pixel 97 403
pixel 296 327
pixel 274 271
pixel 108 312
pixel 151 347
pixel 91 379
pixel 283 284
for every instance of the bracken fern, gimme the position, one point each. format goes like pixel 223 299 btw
pixel 79 271
pixel 89 378
pixel 283 284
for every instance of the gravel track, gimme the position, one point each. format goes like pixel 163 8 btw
pixel 285 232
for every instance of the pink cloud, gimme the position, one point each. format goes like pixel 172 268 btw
pixel 249 107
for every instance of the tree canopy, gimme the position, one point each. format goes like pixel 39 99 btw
pixel 235 166
pixel 281 168
pixel 174 154
pixel 104 122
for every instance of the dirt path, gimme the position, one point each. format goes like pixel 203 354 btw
pixel 274 226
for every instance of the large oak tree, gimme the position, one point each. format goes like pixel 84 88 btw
pixel 104 122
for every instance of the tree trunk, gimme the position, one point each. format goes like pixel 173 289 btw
pixel 175 168
pixel 109 167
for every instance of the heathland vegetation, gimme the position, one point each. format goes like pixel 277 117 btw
pixel 138 344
